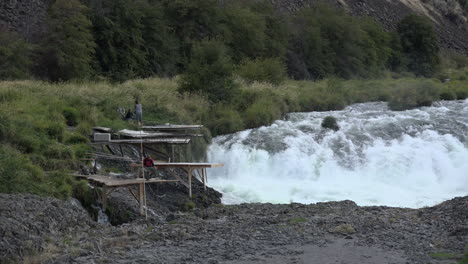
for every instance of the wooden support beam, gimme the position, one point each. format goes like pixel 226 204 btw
pixel 104 198
pixel 204 178
pixel 190 181
pixel 142 198
pixel 133 194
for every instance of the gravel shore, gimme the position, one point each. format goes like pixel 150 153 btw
pixel 46 230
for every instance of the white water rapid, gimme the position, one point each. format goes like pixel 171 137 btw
pixel 412 158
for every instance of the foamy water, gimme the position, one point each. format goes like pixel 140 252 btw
pixel 411 158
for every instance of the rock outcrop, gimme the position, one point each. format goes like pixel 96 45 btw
pixel 448 16
pixel 331 232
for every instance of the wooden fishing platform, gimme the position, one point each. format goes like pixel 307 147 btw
pixel 172 127
pixel 144 141
pixel 155 134
pixel 109 184
pixel 189 167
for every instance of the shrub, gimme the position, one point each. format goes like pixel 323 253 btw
pixel 448 95
pixel 68 47
pixel 189 206
pixel 76 139
pixel 419 44
pixel 263 112
pixel 84 129
pixel 270 70
pixel 18 174
pixel 55 131
pixel 58 151
pixel 71 116
pixel 461 94
pixel 15 56
pixel 223 120
pixel 60 184
pixel 81 150
pixel 25 142
pixel 209 72
pixel 331 123
pixel 414 94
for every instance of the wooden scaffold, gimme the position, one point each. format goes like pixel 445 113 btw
pixel 166 134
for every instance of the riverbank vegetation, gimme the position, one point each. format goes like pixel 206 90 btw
pixel 230 67
pixel 45 127
pixel 119 40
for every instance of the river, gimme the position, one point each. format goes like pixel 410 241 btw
pixel 411 158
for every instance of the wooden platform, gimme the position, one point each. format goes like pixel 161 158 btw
pixel 145 141
pixel 109 184
pixel 187 164
pixel 172 127
pixel 144 134
pixel 189 167
pixel 112 182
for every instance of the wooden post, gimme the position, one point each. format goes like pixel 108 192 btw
pixel 104 198
pixel 142 198
pixel 203 173
pixel 190 181
pixel 173 157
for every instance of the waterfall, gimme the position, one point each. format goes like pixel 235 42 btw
pixel 411 158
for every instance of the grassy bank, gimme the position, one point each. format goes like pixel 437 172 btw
pixel 44 127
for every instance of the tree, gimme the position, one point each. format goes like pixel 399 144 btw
pixel 15 55
pixel 246 35
pixel 209 72
pixel 68 49
pixel 118 30
pixel 419 44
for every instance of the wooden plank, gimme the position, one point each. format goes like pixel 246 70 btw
pixel 145 141
pixel 190 182
pixel 172 127
pixel 142 197
pixel 188 164
pixel 102 129
pixel 136 134
pixel 109 182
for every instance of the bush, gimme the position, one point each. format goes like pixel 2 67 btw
pixel 76 139
pixel 18 174
pixel 448 95
pixel 58 151
pixel 26 142
pixel 209 72
pixel 262 112
pixel 270 70
pixel 415 94
pixel 419 44
pixel 223 120
pixel 15 56
pixel 331 123
pixel 188 206
pixel 81 150
pixel 71 116
pixel 60 184
pixel 55 131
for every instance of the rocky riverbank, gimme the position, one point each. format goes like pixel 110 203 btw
pixel 46 230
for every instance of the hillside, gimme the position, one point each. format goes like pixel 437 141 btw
pixel 450 19
pixel 27 17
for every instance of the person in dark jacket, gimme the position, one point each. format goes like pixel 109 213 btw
pixel 129 115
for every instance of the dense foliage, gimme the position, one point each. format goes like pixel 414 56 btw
pixel 125 39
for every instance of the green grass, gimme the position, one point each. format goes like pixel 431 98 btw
pixel 297 220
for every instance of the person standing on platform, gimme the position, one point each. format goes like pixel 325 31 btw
pixel 139 112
